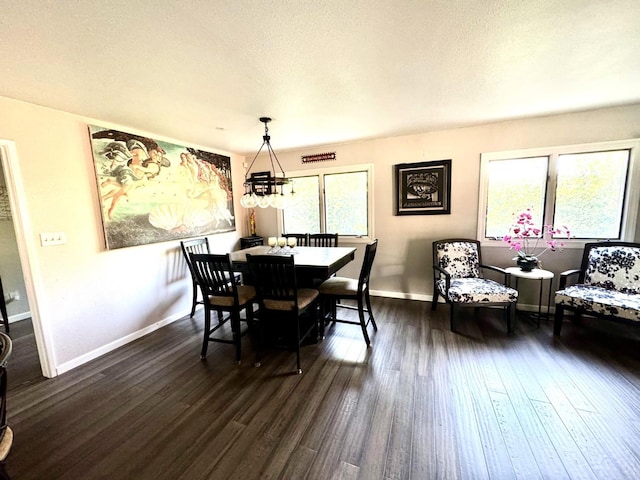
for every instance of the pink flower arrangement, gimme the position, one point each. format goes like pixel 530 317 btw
pixel 525 237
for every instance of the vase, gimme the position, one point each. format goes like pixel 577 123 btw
pixel 527 264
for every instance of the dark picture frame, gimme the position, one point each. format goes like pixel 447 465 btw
pixel 423 188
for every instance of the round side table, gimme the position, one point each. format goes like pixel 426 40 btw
pixel 535 274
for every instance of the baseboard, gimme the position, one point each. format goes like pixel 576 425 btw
pixel 429 298
pixel 401 295
pixel 19 316
pixel 98 352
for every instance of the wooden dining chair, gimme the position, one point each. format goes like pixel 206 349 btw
pixel 198 246
pixel 323 239
pixel 288 314
pixel 212 277
pixel 302 239
pixel 335 289
pixel 6 434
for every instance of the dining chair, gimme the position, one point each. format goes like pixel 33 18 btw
pixel 6 434
pixel 458 278
pixel 198 246
pixel 302 239
pixel 335 289
pixel 212 277
pixel 3 309
pixel 323 239
pixel 288 314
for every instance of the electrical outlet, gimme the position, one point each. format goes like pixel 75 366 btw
pixel 55 238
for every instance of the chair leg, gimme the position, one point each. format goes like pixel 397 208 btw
pixel 207 329
pixel 371 319
pixel 299 370
pixel 194 302
pixel 237 337
pixel 363 324
pixel 453 313
pixel 434 300
pixel 510 318
pixel 558 318
pixel 260 342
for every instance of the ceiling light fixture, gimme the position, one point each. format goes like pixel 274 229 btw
pixel 266 189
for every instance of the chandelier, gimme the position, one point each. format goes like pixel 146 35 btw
pixel 266 189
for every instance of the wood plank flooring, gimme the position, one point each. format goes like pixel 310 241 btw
pixel 422 403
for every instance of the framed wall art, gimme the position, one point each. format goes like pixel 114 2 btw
pixel 153 191
pixel 423 188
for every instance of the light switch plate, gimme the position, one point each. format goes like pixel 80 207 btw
pixel 55 238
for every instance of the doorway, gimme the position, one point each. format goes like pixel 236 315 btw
pixel 15 254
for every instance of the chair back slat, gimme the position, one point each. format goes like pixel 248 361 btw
pixel 323 239
pixel 302 239
pixel 197 246
pixel 274 278
pixel 214 275
pixel 367 264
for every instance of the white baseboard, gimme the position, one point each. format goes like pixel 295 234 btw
pixel 402 295
pixel 19 316
pixel 429 298
pixel 98 352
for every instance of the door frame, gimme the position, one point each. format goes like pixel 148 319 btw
pixel 26 251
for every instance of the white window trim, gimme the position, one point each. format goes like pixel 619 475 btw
pixel 368 167
pixel 630 207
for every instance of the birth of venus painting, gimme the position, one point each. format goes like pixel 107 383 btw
pixel 154 191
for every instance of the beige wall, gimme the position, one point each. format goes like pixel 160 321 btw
pixel 91 300
pixel 403 264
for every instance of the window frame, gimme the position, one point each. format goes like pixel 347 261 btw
pixel 321 172
pixel 629 215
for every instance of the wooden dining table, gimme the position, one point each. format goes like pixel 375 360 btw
pixel 313 264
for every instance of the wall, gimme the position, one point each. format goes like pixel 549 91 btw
pixel 90 300
pixel 403 263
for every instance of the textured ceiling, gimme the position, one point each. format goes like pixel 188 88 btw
pixel 326 70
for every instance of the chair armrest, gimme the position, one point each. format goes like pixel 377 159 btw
pixel 447 276
pixel 565 276
pixel 507 276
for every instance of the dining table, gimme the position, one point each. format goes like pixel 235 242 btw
pixel 313 264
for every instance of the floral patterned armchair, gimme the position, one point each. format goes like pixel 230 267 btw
pixel 457 277
pixel 607 285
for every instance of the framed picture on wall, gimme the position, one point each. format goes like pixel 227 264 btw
pixel 423 188
pixel 154 191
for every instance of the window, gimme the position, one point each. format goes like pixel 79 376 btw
pixel 331 200
pixel 586 187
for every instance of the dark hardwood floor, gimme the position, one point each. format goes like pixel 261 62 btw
pixel 422 403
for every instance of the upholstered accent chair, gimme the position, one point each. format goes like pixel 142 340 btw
pixel 607 284
pixel 458 279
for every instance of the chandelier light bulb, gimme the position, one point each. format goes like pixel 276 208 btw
pixel 263 201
